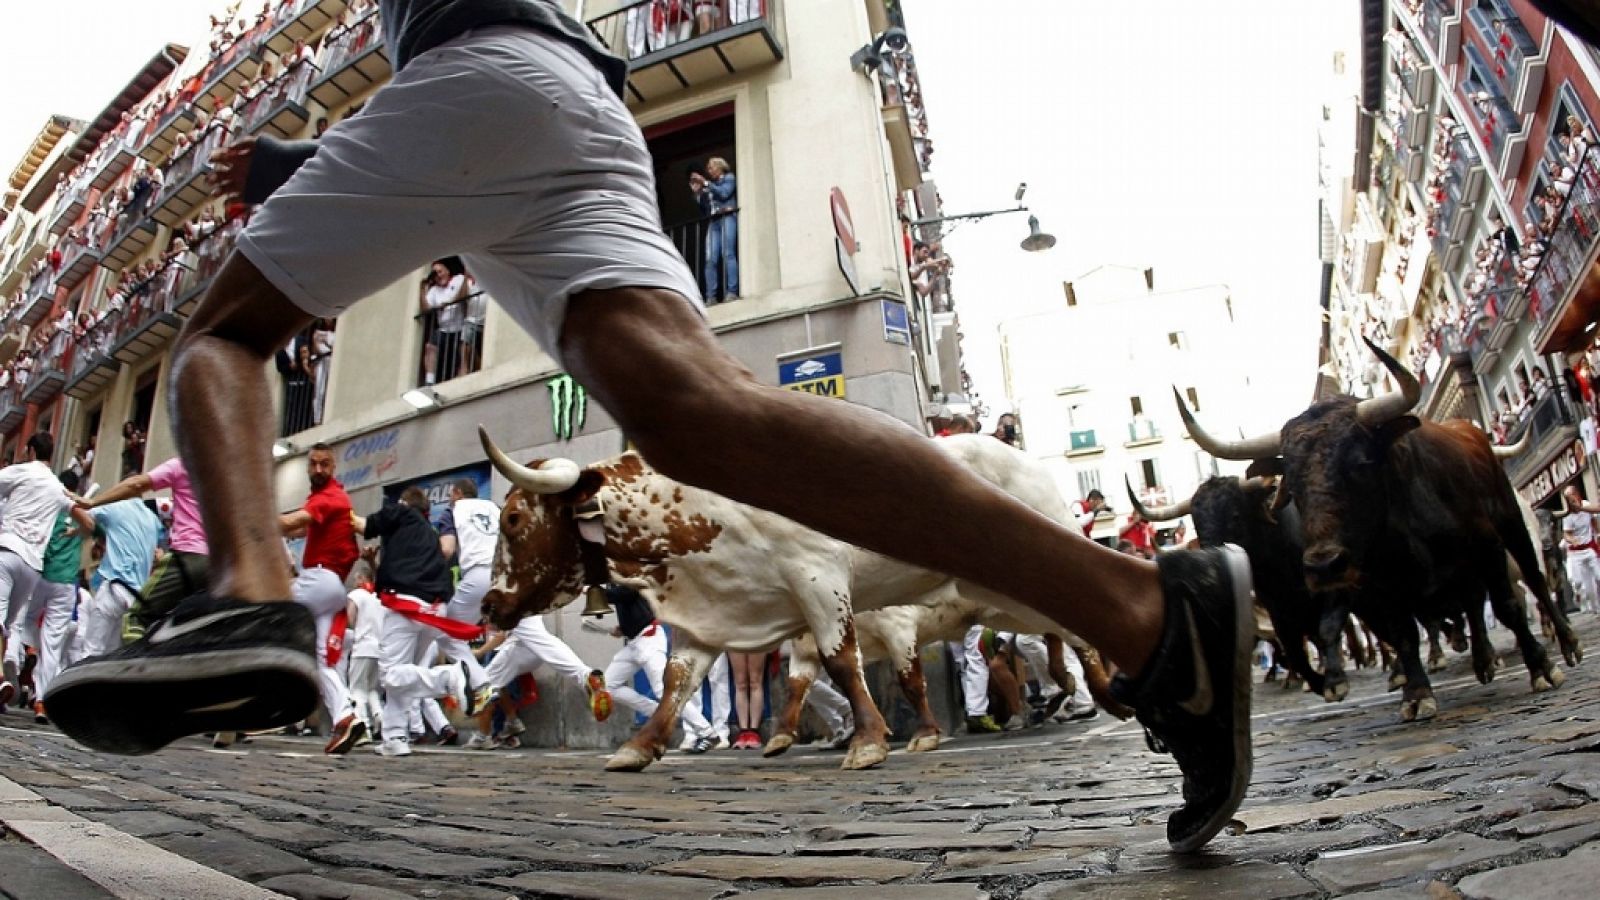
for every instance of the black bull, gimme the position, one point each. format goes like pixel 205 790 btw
pixel 1229 510
pixel 1404 520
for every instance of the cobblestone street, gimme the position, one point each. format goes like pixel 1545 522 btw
pixel 1498 797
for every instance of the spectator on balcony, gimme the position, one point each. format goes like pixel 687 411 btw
pixel 322 127
pixel 1140 533
pixel 133 443
pixel 1005 429
pixel 83 460
pixel 717 194
pixel 1541 384
pixel 707 16
pixel 443 291
pixel 321 361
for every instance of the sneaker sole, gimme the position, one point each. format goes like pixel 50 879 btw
pixel 107 705
pixel 1243 758
pixel 350 739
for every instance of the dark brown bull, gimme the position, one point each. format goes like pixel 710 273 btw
pixel 1406 520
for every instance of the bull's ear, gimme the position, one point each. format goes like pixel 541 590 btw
pixel 589 484
pixel 1280 499
pixel 1265 468
pixel 1395 429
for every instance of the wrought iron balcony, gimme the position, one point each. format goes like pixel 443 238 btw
pixel 38 298
pixel 229 73
pixel 149 319
pixel 71 205
pixel 1082 441
pixel 12 409
pixel 49 370
pixel 78 259
pixel 1494 117
pixel 113 159
pixel 1142 431
pixel 131 235
pixel 1547 423
pixel 184 185
pixel 280 107
pixel 1568 257
pixel 93 367
pixel 1441 28
pixel 178 117
pixel 302 23
pixel 1507 41
pixel 673 48
pixel 352 61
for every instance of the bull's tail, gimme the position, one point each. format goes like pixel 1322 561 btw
pixel 1099 681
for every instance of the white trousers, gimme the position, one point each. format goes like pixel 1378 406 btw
pixel 1037 654
pixel 974 672
pixel 1583 570
pixel 51 631
pixel 17 581
pixel 100 626
pixel 322 593
pixel 405 682
pixel 364 690
pixel 467 606
pixel 829 703
pixel 529 645
pixel 721 695
pixel 648 651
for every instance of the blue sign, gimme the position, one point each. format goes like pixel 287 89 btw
pixel 437 487
pixel 896 323
pixel 819 372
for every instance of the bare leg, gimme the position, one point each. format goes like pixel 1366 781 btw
pixel 649 359
pixel 741 688
pixel 222 419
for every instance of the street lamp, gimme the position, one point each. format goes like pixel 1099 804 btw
pixel 1036 240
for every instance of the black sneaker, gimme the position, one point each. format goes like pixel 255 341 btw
pixel 213 665
pixel 1194 695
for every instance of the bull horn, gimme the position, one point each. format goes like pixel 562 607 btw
pixel 1508 451
pixel 1258 447
pixel 552 477
pixel 1377 411
pixel 1565 510
pixel 1156 513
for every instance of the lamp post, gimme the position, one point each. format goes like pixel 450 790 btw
pixel 1035 242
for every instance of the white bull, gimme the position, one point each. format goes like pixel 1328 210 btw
pixel 723 574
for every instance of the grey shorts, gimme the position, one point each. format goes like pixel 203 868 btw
pixel 503 146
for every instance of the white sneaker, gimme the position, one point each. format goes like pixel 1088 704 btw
pixel 722 741
pixel 393 747
pixel 480 741
pixel 689 740
pixel 455 686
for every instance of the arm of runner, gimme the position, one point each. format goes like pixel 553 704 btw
pixel 295 523
pixel 251 169
pixel 126 489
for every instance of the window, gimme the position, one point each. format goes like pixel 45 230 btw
pixel 1088 480
pixel 1205 465
pixel 305 363
pixel 1177 340
pixel 456 309
pixel 1194 398
pixel 1150 473
pixel 135 430
pixel 1137 405
pixel 706 237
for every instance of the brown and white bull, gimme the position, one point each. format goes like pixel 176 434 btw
pixel 896 633
pixel 724 575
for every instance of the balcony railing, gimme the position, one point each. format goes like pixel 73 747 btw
pixel 49 370
pixel 1508 42
pixel 1496 120
pixel 113 158
pixel 351 62
pixel 452 339
pixel 133 232
pixel 182 190
pixel 1570 246
pixel 673 47
pixel 1141 430
pixel 93 366
pixel 305 381
pixel 1082 440
pixel 12 409
pixel 78 259
pixel 38 298
pixel 692 238
pixel 70 206
pixel 230 72
pixel 1548 415
pixel 302 22
pixel 203 262
pixel 280 105
pixel 148 319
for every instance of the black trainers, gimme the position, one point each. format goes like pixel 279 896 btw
pixel 213 665
pixel 1194 695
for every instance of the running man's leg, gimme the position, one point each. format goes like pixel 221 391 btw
pixel 466 605
pixel 721 696
pixel 54 632
pixel 322 594
pixel 619 680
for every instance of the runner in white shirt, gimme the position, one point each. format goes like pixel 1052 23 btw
pixel 30 499
pixel 468 531
pixel 1583 563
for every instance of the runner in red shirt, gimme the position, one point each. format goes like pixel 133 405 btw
pixel 330 553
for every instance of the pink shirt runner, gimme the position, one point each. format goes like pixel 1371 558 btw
pixel 188 535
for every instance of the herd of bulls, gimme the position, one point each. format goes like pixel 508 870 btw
pixel 1353 507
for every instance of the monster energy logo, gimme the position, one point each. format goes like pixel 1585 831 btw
pixel 569 405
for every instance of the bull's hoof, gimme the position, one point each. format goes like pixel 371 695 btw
pixel 1397 680
pixel 1436 663
pixel 922 743
pixel 778 744
pixel 1335 692
pixel 1419 710
pixel 1458 642
pixel 1572 651
pixel 629 758
pixel 865 756
pixel 1485 673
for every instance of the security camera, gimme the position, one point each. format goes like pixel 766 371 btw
pixel 1022 188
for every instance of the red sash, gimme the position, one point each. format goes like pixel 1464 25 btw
pixel 416 611
pixel 335 645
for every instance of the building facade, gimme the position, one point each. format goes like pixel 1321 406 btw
pixel 1093 382
pixel 1472 229
pixel 827 193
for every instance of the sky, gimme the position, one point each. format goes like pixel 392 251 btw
pixel 119 36
pixel 1162 133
